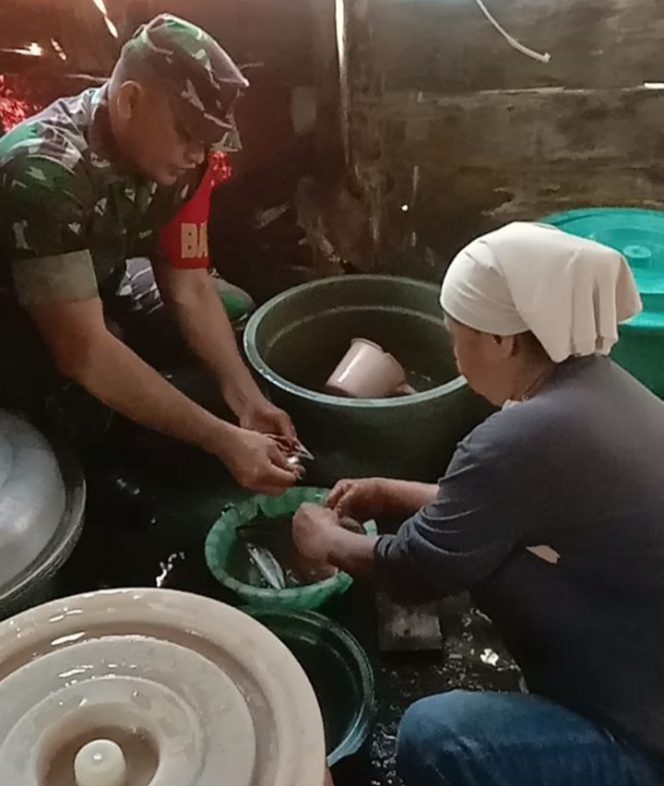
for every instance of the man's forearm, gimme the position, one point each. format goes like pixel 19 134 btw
pixel 209 333
pixel 121 380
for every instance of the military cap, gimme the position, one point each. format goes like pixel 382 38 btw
pixel 201 79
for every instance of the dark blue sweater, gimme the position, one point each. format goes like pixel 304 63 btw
pixel 579 468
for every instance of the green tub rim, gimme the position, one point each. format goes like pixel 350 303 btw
pixel 359 731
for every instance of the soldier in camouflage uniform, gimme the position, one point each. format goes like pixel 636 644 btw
pixel 93 181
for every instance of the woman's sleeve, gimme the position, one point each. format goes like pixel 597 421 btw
pixel 478 519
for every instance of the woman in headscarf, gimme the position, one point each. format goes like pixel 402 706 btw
pixel 551 512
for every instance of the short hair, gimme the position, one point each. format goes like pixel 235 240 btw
pixel 132 66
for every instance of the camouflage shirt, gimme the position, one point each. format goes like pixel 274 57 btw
pixel 69 218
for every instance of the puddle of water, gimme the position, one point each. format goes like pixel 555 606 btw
pixel 151 538
pixel 166 568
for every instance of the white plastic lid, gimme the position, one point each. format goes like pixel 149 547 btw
pixel 153 687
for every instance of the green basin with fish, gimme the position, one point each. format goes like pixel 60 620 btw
pixel 231 563
pixel 339 671
pixel 295 341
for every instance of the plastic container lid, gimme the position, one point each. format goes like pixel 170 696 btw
pixel 639 236
pixel 192 692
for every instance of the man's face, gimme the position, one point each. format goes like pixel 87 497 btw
pixel 158 145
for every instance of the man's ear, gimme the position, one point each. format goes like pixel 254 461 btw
pixel 128 98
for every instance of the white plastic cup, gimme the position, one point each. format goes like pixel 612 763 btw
pixel 366 371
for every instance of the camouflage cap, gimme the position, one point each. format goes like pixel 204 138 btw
pixel 201 79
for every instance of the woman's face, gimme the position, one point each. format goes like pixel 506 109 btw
pixel 486 361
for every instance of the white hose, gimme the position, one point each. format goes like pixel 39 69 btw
pixel 543 58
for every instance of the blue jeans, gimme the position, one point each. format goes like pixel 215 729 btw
pixel 511 739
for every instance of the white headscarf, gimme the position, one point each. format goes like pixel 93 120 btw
pixel 570 292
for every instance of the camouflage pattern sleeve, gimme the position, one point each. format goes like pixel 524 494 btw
pixel 44 224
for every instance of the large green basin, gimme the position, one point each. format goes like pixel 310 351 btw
pixel 295 340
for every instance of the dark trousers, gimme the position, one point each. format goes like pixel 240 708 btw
pixel 512 739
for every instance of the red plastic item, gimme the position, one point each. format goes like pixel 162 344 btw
pixel 184 241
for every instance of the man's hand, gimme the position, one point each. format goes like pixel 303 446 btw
pixel 261 415
pixel 86 352
pixel 205 326
pixel 313 530
pixel 258 462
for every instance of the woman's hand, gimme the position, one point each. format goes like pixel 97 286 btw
pixel 360 499
pixel 318 536
pixel 380 497
pixel 314 528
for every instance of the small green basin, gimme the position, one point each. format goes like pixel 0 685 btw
pixel 225 557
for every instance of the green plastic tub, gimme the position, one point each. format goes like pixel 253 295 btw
pixel 222 542
pixel 639 236
pixel 339 671
pixel 295 341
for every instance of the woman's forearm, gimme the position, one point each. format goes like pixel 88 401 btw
pixel 351 552
pixel 405 497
